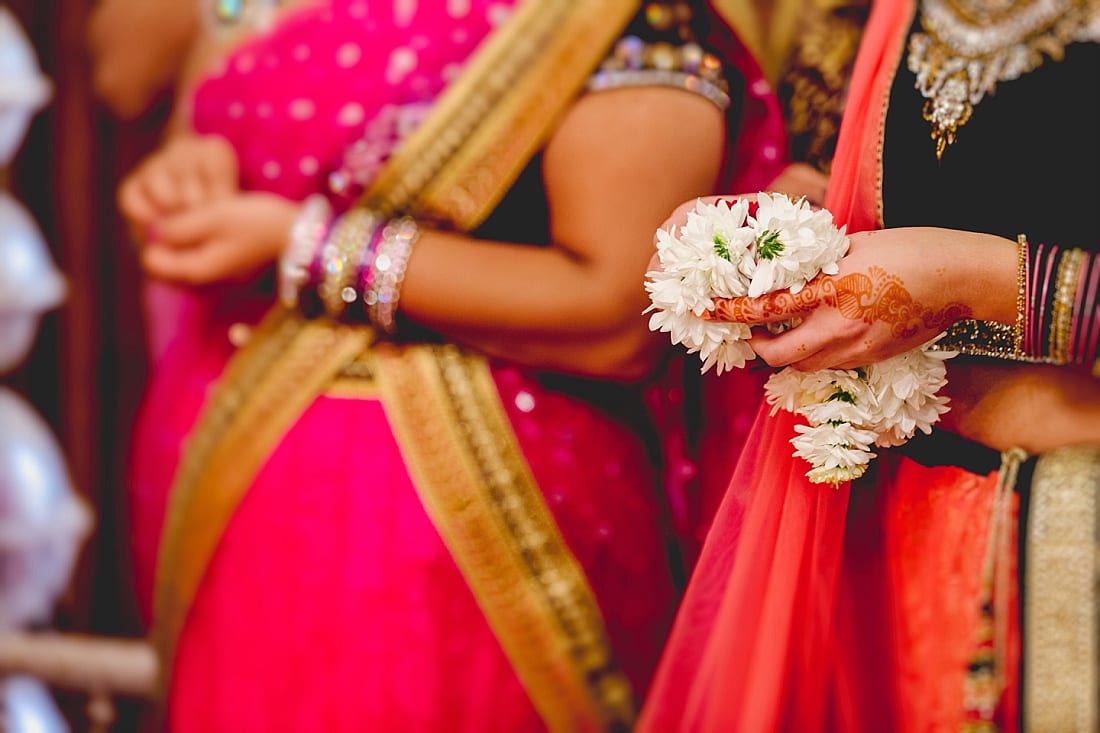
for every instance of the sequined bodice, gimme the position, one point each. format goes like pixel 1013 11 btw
pixel 1044 121
pixel 293 100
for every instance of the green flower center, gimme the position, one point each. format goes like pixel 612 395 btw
pixel 722 247
pixel 768 246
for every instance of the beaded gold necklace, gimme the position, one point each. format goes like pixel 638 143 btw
pixel 966 47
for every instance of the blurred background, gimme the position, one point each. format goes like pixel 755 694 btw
pixel 84 372
pixel 86 367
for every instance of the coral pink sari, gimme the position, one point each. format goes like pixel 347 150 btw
pixel 848 609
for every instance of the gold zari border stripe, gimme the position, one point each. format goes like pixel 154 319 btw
pixel 452 171
pixel 1061 611
pixel 486 126
pixel 287 363
pixel 478 488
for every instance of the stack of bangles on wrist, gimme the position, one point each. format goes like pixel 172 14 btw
pixel 1058 317
pixel 349 267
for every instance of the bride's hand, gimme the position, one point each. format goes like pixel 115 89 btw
pixel 895 289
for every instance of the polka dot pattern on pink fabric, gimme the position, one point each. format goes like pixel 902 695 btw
pixel 293 101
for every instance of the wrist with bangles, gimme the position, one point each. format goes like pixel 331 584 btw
pixel 349 268
pixel 1057 314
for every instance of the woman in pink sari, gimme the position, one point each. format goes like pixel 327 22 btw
pixel 953 586
pixel 437 513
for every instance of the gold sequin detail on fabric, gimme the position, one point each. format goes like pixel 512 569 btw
pixel 967 47
pixel 813 81
pixel 478 488
pixel 1061 610
pixel 981 338
pixel 1069 271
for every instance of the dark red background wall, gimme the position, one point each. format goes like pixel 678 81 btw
pixel 86 370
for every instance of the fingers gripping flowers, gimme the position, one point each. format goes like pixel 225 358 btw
pixel 738 248
pixel 729 249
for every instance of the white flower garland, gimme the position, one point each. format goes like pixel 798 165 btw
pixel 726 250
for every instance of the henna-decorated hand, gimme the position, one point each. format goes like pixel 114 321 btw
pixel 896 289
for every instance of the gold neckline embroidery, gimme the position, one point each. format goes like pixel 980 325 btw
pixel 966 47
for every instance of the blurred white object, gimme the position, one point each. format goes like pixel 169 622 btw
pixel 43 522
pixel 26 706
pixel 29 282
pixel 23 88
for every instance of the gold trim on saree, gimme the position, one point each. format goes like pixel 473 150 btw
pixel 479 490
pixel 354 381
pixel 1061 609
pixel 451 171
pixel 766 28
pixel 286 363
pixel 486 126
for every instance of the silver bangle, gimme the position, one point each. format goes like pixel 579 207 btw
pixel 388 272
pixel 304 240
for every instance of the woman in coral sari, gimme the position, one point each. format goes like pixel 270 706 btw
pixel 437 513
pixel 953 586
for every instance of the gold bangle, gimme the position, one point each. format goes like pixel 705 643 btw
pixel 1069 271
pixel 1021 295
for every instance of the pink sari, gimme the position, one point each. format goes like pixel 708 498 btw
pixel 818 609
pixel 332 603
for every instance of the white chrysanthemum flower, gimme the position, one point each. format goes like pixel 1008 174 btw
pixel 906 388
pixel 718 343
pixel 730 354
pixel 842 407
pixel 723 252
pixel 791 389
pixel 793 243
pixel 837 452
pixel 717 233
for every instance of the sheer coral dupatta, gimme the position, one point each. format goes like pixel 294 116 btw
pixel 759 602
pixel 750 650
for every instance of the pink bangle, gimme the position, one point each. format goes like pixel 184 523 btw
pixel 1089 342
pixel 1078 316
pixel 1046 276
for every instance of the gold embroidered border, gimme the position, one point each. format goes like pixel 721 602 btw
pixel 355 381
pixel 765 27
pixel 452 170
pixel 478 488
pixel 485 127
pixel 813 82
pixel 264 390
pixel 1061 608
